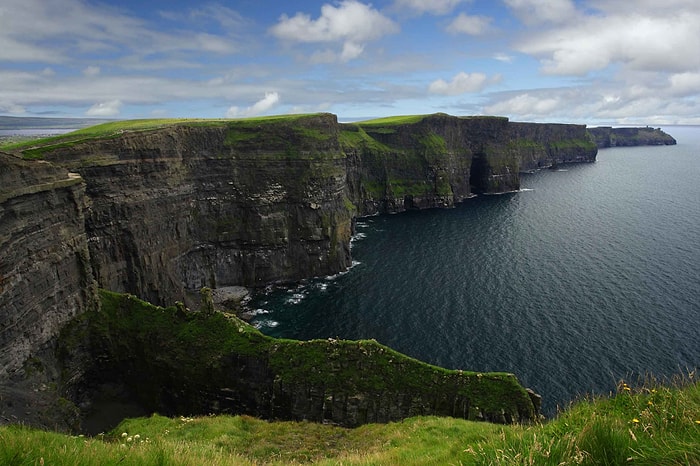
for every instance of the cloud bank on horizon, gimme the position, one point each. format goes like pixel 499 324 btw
pixel 583 61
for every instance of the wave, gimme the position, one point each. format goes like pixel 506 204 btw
pixel 340 274
pixel 265 323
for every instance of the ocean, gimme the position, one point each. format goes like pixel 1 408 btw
pixel 589 275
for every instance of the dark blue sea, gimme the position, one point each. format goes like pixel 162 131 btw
pixel 589 275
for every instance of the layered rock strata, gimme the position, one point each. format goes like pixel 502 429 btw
pixel 45 273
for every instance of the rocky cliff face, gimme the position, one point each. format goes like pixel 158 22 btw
pixel 45 274
pixel 607 136
pixel 184 207
pixel 439 160
pixel 249 202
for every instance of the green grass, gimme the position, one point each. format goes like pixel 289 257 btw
pixel 652 424
pixel 393 120
pixel 35 148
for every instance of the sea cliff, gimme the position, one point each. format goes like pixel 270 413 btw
pixel 162 209
pixel 607 136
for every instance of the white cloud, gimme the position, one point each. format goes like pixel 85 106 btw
pixel 105 109
pixel 685 84
pixel 525 106
pixel 461 83
pixel 543 11
pixel 270 100
pixel 503 57
pixel 434 7
pixel 636 39
pixel 89 28
pixel 472 25
pixel 351 22
pixel 91 71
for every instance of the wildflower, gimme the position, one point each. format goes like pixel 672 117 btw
pixel 635 420
pixel 124 434
pixel 137 436
pixel 697 422
pixel 650 403
pixel 129 439
pixel 626 388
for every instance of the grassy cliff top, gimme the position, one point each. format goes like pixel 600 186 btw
pixel 647 425
pixel 116 128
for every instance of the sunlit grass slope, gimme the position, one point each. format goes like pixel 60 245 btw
pixel 650 425
pixel 115 128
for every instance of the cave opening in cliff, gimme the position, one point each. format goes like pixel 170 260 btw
pixel 478 175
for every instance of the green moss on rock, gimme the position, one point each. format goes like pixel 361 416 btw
pixel 182 362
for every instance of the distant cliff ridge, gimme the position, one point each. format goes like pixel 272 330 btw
pixel 607 136
pixel 160 209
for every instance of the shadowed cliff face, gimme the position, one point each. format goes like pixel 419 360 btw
pixel 184 207
pixel 177 362
pixel 45 275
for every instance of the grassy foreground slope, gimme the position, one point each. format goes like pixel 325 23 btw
pixel 651 425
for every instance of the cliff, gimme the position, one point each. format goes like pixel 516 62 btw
pixel 162 209
pixel 186 206
pixel 174 362
pixel 45 275
pixel 401 163
pixel 607 136
pixel 247 202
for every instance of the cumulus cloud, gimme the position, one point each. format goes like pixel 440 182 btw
pixel 472 25
pixel 434 7
pixel 261 106
pixel 461 83
pixel 638 40
pixel 105 109
pixel 351 22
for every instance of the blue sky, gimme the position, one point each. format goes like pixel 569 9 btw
pixel 590 62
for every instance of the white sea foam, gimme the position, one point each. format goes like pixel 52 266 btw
pixel 340 274
pixel 296 298
pixel 269 323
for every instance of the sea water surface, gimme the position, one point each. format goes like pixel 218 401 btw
pixel 589 275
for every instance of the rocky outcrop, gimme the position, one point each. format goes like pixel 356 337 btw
pixel 607 136
pixel 177 362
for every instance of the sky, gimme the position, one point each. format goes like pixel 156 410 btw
pixel 621 62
